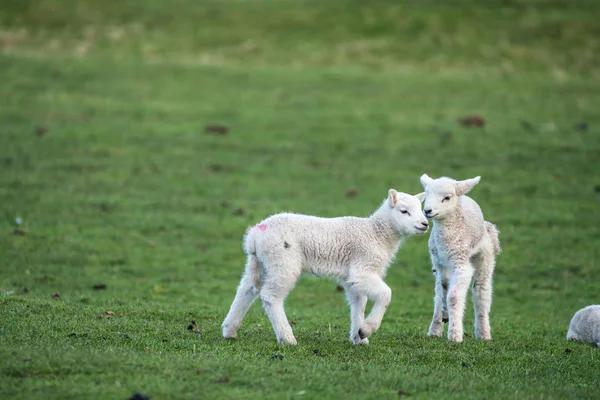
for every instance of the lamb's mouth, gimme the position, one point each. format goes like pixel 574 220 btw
pixel 431 216
pixel 421 228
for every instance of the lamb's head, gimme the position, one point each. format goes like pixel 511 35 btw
pixel 442 194
pixel 406 214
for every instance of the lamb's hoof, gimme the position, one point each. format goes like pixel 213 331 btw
pixel 357 340
pixel 445 320
pixel 227 334
pixel 288 341
pixel 455 337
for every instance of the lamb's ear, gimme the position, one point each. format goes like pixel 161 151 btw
pixel 420 196
pixel 425 180
pixel 393 197
pixel 463 187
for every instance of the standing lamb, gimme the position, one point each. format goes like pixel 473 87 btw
pixel 355 251
pixel 462 246
pixel 585 325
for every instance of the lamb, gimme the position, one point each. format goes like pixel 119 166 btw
pixel 462 246
pixel 585 325
pixel 354 251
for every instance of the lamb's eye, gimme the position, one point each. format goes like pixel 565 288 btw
pixel 447 198
pixel 404 212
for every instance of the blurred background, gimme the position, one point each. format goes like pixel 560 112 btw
pixel 139 139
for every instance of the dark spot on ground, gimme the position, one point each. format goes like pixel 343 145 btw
pixel 25 290
pixel 286 245
pixel 465 364
pixel 109 314
pixel 104 207
pixel 200 371
pixel 317 353
pixel 99 286
pixel 221 380
pixel 201 246
pixel 216 129
pixel 224 204
pixel 8 161
pixel 240 212
pixel 446 138
pixel 581 126
pixel 125 336
pixel 214 168
pixel 528 126
pixel 139 396
pixel 19 232
pixel 402 392
pixel 41 130
pixel 568 351
pixel 192 327
pixel 352 192
pixel 276 357
pixel 56 296
pixel 293 323
pixel 472 121
pixel 597 188
pixel 339 288
pixel 165 340
pixel 415 283
pixel 72 334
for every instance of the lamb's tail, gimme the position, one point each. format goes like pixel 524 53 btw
pixel 493 233
pixel 252 267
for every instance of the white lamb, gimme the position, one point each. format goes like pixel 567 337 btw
pixel 462 246
pixel 585 325
pixel 355 251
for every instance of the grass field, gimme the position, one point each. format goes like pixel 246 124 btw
pixel 107 162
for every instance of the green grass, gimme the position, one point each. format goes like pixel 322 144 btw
pixel 104 156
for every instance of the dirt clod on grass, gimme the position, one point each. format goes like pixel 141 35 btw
pixel 239 212
pixel 19 232
pixel 25 290
pixel 139 396
pixel 352 192
pixel 192 327
pixel 472 121
pixel 56 295
pixel 216 129
pixel 221 380
pixel 339 288
pixel 293 323
pixel 41 130
pixel 109 314
pixel 276 357
pixel 581 126
pixel 99 286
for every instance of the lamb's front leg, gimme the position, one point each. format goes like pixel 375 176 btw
pixel 440 311
pixel 357 315
pixel 374 288
pixel 457 295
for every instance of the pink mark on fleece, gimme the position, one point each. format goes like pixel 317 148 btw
pixel 262 227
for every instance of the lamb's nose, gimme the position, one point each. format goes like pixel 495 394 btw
pixel 427 212
pixel 425 224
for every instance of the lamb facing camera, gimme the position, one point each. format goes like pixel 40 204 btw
pixel 354 251
pixel 463 247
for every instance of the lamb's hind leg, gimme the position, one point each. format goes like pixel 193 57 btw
pixel 246 293
pixel 273 293
pixel 482 295
pixel 440 308
pixel 357 315
pixel 374 288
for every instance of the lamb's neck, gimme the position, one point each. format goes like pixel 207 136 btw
pixel 383 226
